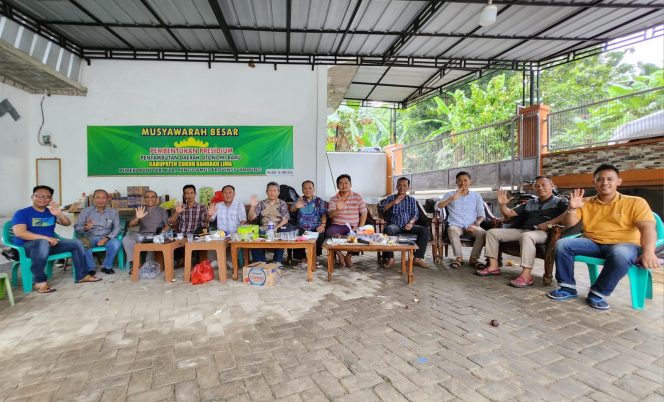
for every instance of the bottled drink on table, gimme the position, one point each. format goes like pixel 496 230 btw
pixel 270 231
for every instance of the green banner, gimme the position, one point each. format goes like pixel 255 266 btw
pixel 189 150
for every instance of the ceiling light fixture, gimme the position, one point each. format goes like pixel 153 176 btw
pixel 488 15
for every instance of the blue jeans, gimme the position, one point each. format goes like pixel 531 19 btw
pixel 39 250
pixel 112 247
pixel 619 257
pixel 258 254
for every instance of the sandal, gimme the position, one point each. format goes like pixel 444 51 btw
pixel 89 279
pixel 455 264
pixel 478 265
pixel 44 289
pixel 488 272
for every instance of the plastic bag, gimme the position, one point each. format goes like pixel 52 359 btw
pixel 202 273
pixel 149 270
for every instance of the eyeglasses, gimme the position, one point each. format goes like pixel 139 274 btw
pixel 42 196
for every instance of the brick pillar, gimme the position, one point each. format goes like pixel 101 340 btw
pixel 531 121
pixel 394 159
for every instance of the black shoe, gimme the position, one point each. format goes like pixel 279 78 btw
pixel 107 271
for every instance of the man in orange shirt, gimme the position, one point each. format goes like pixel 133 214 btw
pixel 616 227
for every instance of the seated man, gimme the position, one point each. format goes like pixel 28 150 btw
pixel 189 216
pixel 271 209
pixel 34 228
pixel 100 225
pixel 311 213
pixel 465 214
pixel 149 218
pixel 229 214
pixel 616 228
pixel 403 213
pixel 538 216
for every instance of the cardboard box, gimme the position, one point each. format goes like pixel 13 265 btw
pixel 115 204
pixel 124 203
pixel 137 190
pixel 261 274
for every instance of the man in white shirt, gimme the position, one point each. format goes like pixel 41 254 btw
pixel 229 214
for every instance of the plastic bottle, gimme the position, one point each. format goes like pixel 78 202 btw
pixel 270 231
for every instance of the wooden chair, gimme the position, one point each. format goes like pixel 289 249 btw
pixel 545 251
pixel 443 243
pixel 380 220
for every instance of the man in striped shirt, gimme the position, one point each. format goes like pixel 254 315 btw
pixel 401 212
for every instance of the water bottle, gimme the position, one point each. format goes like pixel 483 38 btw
pixel 270 231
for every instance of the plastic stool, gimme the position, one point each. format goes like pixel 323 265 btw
pixel 6 287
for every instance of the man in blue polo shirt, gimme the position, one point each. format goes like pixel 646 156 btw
pixel 34 228
pixel 537 217
pixel 401 212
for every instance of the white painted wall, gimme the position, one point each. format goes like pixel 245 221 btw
pixel 368 172
pixel 15 164
pixel 171 93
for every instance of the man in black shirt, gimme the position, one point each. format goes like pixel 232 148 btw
pixel 537 218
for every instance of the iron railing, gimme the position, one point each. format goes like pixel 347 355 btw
pixel 487 144
pixel 629 117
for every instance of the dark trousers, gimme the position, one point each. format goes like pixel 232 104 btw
pixel 258 254
pixel 301 254
pixel 421 232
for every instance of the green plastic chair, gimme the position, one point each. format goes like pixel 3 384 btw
pixel 120 256
pixel 6 288
pixel 640 279
pixel 25 263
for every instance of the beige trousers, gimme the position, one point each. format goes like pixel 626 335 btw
pixel 454 232
pixel 527 239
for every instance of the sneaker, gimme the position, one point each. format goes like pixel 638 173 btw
pixel 521 282
pixel 562 294
pixel 597 302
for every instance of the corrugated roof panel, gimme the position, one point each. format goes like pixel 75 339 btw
pixel 327 44
pixel 526 21
pixel 151 38
pixel 589 24
pixel 312 42
pixel 123 11
pixel 390 94
pixel 533 50
pixel 454 18
pixel 55 10
pixel 92 37
pixel 482 49
pixel 652 20
pixel 408 75
pixel 313 15
pixel 450 76
pixel 339 13
pixel 358 91
pixel 384 15
pixel 203 39
pixel 365 45
pixel 178 11
pixel 369 74
pixel 261 13
pixel 430 47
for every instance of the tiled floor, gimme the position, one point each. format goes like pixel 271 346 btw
pixel 365 337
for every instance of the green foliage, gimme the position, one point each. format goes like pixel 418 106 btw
pixel 598 122
pixel 353 127
pixel 493 99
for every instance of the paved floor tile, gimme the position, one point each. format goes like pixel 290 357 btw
pixel 365 337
